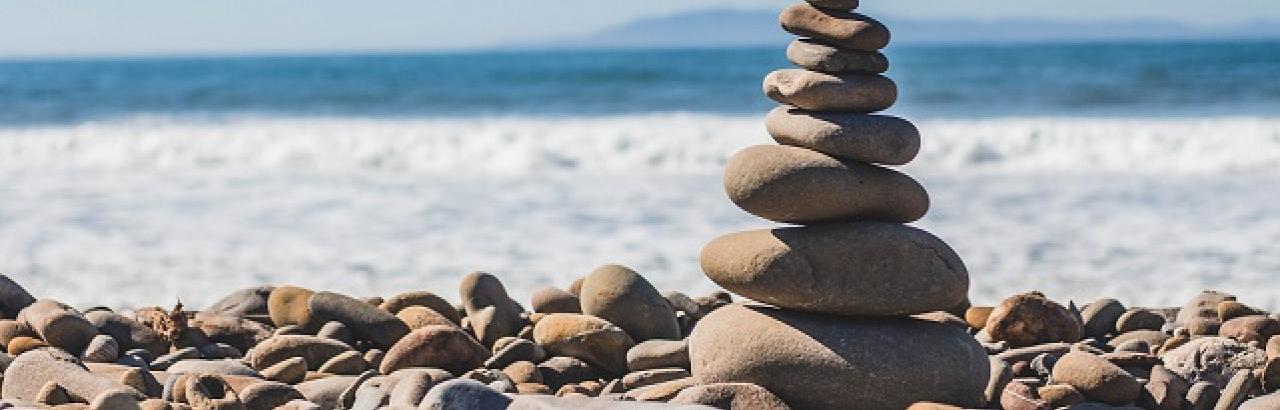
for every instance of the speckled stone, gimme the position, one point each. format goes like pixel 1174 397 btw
pixel 854 268
pixel 818 361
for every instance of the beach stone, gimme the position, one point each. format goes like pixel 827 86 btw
pixel 367 322
pixel 1264 402
pixel 242 303
pixel 13 297
pixel 555 300
pixel 1154 338
pixel 1213 359
pixel 1237 390
pixel 624 298
pixel 481 290
pixel 417 317
pixel 814 91
pixel 731 396
pixel 337 331
pixel 523 372
pixel 314 350
pixel 349 362
pixel 1255 328
pixel 562 370
pixel 660 392
pixel 1060 395
pixel 1100 317
pixel 835 4
pixel 164 361
pixel 439 346
pixel 1019 396
pixel 1030 319
pixel 847 136
pixel 220 351
pixel 101 349
pixel 58 325
pixel 1139 319
pixel 211 392
pixel 1203 305
pixel 642 378
pixel 1203 396
pixel 327 392
pixel 412 384
pixel 839 28
pixel 290 305
pixel 372 394
pixel 589 338
pixel 10 329
pixel 288 371
pixel 1026 354
pixel 814 55
pixel 27 375
pixel 1096 378
pixel 1230 309
pixel 819 361
pixel 1134 346
pixel 514 351
pixel 224 367
pixel 268 395
pixel 855 268
pixel 463 394
pixel 999 377
pixel 425 299
pixel 1165 390
pixel 141 380
pixel 374 357
pixel 656 354
pixel 976 316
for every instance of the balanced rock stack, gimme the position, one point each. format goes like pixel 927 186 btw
pixel 844 285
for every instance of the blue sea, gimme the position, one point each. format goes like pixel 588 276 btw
pixel 1143 171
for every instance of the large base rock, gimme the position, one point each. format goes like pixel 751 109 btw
pixel 816 361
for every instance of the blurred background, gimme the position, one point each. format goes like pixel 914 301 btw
pixel 152 149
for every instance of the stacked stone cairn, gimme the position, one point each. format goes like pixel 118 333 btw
pixel 841 287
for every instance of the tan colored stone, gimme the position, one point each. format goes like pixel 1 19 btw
pixel 585 337
pixel 1096 378
pixel 836 27
pixel 813 55
pixel 1031 319
pixel 814 91
pixel 439 346
pixel 622 297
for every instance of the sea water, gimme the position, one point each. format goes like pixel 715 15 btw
pixel 1140 171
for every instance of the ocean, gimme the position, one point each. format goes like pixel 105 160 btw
pixel 1142 171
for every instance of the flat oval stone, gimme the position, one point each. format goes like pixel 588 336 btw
pixel 814 55
pixel 59 325
pixel 878 139
pixel 288 305
pixel 799 185
pixel 422 298
pixel 1100 317
pixel 621 296
pixel 857 268
pixel 836 27
pixel 314 350
pixel 589 338
pixel 439 346
pixel 816 91
pixel 815 361
pixel 1096 378
pixel 555 300
pixel 367 322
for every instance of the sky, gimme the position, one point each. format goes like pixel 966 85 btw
pixel 157 27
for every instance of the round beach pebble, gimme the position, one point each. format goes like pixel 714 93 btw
pixel 836 27
pixel 268 395
pixel 463 394
pixel 555 300
pixel 101 349
pixel 290 305
pixel 1030 319
pixel 1100 317
pixel 417 317
pixel 1253 328
pixel 562 370
pixel 872 138
pixel 27 375
pixel 655 354
pixel 366 321
pixel 622 297
pixel 854 268
pixel 799 185
pixel 730 396
pixel 59 325
pixel 1139 319
pixel 314 350
pixel 514 350
pixel 480 291
pixel 289 371
pixel 976 316
pixel 439 346
pixel 814 55
pixel 425 299
pixel 13 297
pixel 819 361
pixel 244 302
pixel 1203 305
pixel 592 339
pixel 1096 378
pixel 811 90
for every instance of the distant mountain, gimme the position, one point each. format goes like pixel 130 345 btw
pixel 723 28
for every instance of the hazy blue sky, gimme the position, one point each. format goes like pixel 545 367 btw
pixel 76 27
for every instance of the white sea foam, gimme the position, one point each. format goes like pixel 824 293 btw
pixel 670 143
pixel 143 211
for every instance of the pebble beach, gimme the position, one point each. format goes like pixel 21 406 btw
pixel 830 289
